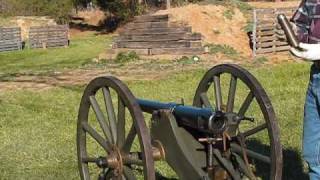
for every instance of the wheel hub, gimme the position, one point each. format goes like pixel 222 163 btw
pixel 115 161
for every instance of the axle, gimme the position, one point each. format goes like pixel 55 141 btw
pixel 202 119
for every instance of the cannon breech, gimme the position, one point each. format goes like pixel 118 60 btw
pixel 205 120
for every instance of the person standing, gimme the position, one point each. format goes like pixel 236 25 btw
pixel 307 21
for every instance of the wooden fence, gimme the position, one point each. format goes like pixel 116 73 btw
pixel 10 39
pixel 265 35
pixel 49 36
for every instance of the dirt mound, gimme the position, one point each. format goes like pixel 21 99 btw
pixel 218 24
pixel 25 22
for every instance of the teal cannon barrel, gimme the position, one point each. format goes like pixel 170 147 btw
pixel 201 119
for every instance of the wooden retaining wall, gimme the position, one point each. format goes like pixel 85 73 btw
pixel 49 36
pixel 10 39
pixel 265 35
pixel 154 35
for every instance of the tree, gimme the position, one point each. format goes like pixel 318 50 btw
pixel 58 9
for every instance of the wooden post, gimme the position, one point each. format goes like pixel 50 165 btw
pixel 254 33
pixel 168 4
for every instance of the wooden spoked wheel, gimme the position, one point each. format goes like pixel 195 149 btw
pixel 110 122
pixel 253 126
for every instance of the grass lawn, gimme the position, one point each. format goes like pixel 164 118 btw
pixel 38 130
pixel 34 61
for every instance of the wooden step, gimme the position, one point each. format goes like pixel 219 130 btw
pixel 154 18
pixel 146 25
pixel 271 44
pixel 272 49
pixel 167 44
pixel 156 38
pixel 157 31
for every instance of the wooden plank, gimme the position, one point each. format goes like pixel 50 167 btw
pixel 9 44
pixel 254 32
pixel 169 44
pixel 9 48
pixel 269 50
pixel 157 31
pixel 269 44
pixel 51 27
pixel 265 27
pixel 48 36
pixel 169 37
pixel 10 39
pixel 156 18
pixel 269 32
pixel 267 38
pixel 139 25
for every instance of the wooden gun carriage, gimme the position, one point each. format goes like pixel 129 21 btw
pixel 218 137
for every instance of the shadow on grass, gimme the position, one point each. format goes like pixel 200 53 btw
pixel 160 177
pixel 292 162
pixel 107 25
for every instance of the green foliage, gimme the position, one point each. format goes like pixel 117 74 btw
pixel 229 13
pixel 260 60
pixel 224 49
pixel 123 10
pixel 242 6
pixel 58 9
pixel 124 57
pixel 248 27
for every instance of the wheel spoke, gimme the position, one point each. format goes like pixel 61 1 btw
pixel 101 118
pixel 232 93
pixel 128 173
pixel 217 90
pixel 121 128
pixel 205 100
pixel 238 149
pixel 96 136
pixel 110 111
pixel 254 130
pixel 130 138
pixel 244 107
pixel 89 160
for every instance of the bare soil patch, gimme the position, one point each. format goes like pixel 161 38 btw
pixel 218 24
pixel 140 70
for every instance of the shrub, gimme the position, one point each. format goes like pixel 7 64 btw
pixel 124 57
pixel 58 9
pixel 228 14
pixel 224 49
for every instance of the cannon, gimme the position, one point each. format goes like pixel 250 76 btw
pixel 229 132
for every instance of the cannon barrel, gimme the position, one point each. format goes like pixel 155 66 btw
pixel 202 119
